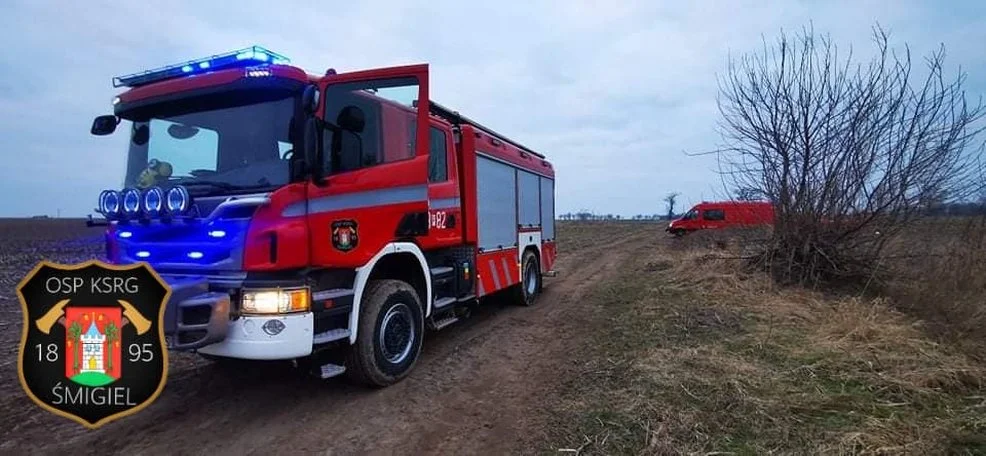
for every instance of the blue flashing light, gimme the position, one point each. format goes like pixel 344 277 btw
pixel 195 255
pixel 217 233
pixel 250 56
pixel 126 234
pixel 143 254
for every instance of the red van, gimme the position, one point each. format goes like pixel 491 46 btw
pixel 723 214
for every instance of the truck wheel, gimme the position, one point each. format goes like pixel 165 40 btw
pixel 678 232
pixel 527 291
pixel 391 327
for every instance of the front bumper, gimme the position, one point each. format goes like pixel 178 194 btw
pixel 255 337
pixel 197 319
pixel 194 316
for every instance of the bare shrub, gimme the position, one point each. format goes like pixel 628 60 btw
pixel 849 153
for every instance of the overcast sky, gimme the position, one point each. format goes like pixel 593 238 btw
pixel 613 92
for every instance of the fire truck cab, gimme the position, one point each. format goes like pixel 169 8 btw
pixel 328 219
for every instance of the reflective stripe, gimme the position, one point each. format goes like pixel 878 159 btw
pixel 496 277
pixel 444 203
pixel 482 289
pixel 506 270
pixel 330 203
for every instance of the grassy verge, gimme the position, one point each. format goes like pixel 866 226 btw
pixel 694 356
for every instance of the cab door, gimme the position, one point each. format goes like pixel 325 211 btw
pixel 444 202
pixel 713 217
pixel 374 162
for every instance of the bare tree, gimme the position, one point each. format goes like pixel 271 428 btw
pixel 844 150
pixel 671 199
pixel 747 194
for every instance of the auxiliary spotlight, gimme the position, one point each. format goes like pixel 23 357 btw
pixel 109 203
pixel 153 201
pixel 131 202
pixel 177 200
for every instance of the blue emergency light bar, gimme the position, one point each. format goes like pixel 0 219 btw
pixel 254 55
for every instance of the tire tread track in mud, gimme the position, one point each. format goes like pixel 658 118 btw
pixel 476 389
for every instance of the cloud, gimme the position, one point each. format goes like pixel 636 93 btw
pixel 613 93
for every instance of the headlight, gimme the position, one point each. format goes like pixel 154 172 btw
pixel 275 301
pixel 177 200
pixel 109 202
pixel 153 200
pixel 131 201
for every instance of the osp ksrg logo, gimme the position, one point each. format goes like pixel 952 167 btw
pixel 92 348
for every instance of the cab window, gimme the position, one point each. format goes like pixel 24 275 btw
pixel 713 215
pixel 381 131
pixel 438 156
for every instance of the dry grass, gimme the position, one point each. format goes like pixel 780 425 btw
pixel 939 272
pixel 698 356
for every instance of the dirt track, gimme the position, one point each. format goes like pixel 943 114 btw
pixel 477 388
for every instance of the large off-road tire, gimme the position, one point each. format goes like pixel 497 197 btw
pixel 390 331
pixel 527 291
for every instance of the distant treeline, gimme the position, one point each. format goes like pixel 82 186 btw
pixel 593 216
pixel 939 210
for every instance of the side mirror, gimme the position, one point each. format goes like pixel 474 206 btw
pixel 309 98
pixel 352 119
pixel 313 145
pixel 104 125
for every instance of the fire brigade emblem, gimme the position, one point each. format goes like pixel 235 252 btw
pixel 344 235
pixel 92 348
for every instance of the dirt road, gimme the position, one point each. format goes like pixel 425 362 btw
pixel 477 388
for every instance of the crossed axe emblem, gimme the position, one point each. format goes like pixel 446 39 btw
pixel 57 315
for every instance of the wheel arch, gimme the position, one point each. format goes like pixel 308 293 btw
pixel 536 250
pixel 532 248
pixel 397 260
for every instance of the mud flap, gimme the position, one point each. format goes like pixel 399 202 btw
pixel 194 317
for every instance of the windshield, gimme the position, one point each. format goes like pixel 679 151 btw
pixel 690 215
pixel 235 142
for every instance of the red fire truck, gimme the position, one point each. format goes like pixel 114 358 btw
pixel 328 219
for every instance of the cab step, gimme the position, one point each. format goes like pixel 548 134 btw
pixel 330 336
pixel 330 370
pixel 442 323
pixel 440 270
pixel 442 302
pixel 441 275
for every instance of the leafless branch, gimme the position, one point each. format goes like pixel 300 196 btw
pixel 845 150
